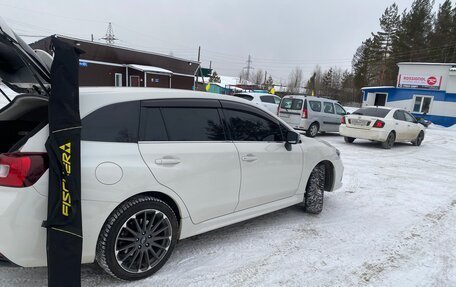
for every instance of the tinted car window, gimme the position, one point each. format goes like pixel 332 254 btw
pixel 329 108
pixel 245 97
pixel 315 106
pixel 399 115
pixel 193 124
pixel 373 112
pixel 248 126
pixel 409 117
pixel 291 104
pixel 340 110
pixel 268 99
pixel 113 123
pixel 152 125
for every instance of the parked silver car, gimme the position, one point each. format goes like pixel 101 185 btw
pixel 311 114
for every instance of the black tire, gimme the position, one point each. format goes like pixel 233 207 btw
pixel 419 139
pixel 389 143
pixel 137 238
pixel 313 198
pixel 349 139
pixel 313 129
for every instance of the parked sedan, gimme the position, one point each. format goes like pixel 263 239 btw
pixel 266 101
pixel 382 124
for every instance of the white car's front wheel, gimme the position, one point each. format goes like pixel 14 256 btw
pixel 419 139
pixel 313 198
pixel 389 141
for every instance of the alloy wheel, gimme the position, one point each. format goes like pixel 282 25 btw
pixel 143 241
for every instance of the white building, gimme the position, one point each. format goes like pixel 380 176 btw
pixel 427 90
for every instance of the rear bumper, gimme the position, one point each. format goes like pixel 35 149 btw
pixel 372 134
pixel 22 240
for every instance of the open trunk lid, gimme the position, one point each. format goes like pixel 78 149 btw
pixel 21 68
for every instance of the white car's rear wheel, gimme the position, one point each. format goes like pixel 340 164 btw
pixel 389 143
pixel 349 139
pixel 137 239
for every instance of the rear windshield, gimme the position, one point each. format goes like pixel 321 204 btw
pixel 245 97
pixel 291 104
pixel 373 112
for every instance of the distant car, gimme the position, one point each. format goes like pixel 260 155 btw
pixel 267 101
pixel 382 124
pixel 311 114
pixel 424 122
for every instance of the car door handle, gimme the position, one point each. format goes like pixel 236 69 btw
pixel 397 124
pixel 167 161
pixel 249 158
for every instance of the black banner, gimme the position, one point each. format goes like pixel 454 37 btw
pixel 64 221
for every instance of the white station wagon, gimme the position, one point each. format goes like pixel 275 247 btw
pixel 157 166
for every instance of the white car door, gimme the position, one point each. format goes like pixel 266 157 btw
pixel 184 143
pixel 269 171
pixel 413 126
pixel 400 126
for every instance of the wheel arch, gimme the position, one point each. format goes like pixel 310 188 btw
pixel 329 174
pixel 166 199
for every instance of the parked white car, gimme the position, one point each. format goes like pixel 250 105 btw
pixel 157 166
pixel 266 101
pixel 383 124
pixel 312 114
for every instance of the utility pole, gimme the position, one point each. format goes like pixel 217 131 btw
pixel 109 37
pixel 249 67
pixel 199 53
pixel 210 64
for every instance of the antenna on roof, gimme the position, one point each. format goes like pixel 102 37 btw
pixel 109 37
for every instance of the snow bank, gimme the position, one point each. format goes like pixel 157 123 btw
pixel 438 127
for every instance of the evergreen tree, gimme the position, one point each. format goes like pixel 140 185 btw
pixel 269 83
pixel 412 42
pixel 389 24
pixel 214 78
pixel 441 44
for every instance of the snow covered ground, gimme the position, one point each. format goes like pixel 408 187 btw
pixel 392 224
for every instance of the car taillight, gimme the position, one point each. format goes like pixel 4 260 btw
pixel 379 124
pixel 342 120
pixel 304 114
pixel 22 169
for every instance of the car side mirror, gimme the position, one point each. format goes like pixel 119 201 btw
pixel 293 137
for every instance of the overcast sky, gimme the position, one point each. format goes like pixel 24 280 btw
pixel 279 35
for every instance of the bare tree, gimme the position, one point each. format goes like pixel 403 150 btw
pixel 295 80
pixel 258 77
